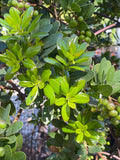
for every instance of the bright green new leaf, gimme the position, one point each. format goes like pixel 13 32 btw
pixel 86 133
pixel 11 55
pixel 27 16
pixel 28 63
pixel 61 45
pixel 71 105
pixel 79 137
pixel 32 51
pixel 80 84
pixel 55 85
pixel 49 92
pixel 10 21
pixel 64 85
pixel 76 68
pixel 4 58
pixel 80 49
pixel 60 59
pixel 32 95
pixel 45 75
pixel 80 98
pixel 26 84
pixel 34 23
pixel 41 84
pixel 68 129
pixel 81 60
pixel 65 112
pixel 60 101
pixel 5 24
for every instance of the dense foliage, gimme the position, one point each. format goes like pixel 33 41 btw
pixel 47 47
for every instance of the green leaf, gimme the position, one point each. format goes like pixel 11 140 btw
pixel 55 85
pixel 61 45
pixel 49 92
pixel 80 98
pixel 45 75
pixel 76 68
pixel 26 84
pixel 65 112
pixel 28 63
pixel 68 129
pixel 32 95
pixel 60 59
pixel 34 23
pixel 19 156
pixel 8 152
pixel 32 51
pixel 116 88
pixel 9 74
pixel 15 14
pixel 81 60
pixel 105 89
pixel 53 61
pixel 19 141
pixel 60 101
pixel 64 85
pixel 94 124
pixel 10 21
pixel 55 27
pixel 6 113
pixel 80 49
pixel 116 77
pixel 87 54
pixel 75 7
pixel 39 35
pixel 64 4
pixel 14 128
pixel 58 123
pixel 27 16
pixel 110 75
pixel 90 11
pixel 4 24
pixel 94 149
pixel 4 58
pixel 79 138
pixel 71 105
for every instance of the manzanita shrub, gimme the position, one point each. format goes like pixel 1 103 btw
pixel 51 61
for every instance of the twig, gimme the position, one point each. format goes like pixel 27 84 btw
pixel 111 156
pixel 104 29
pixel 104 158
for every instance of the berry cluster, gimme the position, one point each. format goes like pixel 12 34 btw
pixel 21 5
pixel 109 111
pixel 84 35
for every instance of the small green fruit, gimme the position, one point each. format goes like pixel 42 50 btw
pixel 110 106
pixel 113 113
pixel 73 23
pixel 114 121
pixel 88 39
pixel 81 37
pixel 119 99
pixel 27 5
pixel 105 102
pixel 100 118
pixel 82 32
pixel 88 33
pixel 118 108
pixel 20 5
pixel 118 117
pixel 3 124
pixel 14 2
pixel 2 152
pixel 35 13
pixel 80 19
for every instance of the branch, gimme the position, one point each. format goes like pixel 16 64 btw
pixel 103 15
pixel 111 156
pixel 104 29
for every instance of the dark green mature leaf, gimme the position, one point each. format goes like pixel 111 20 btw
pixel 75 7
pixel 110 75
pixel 8 152
pixel 6 113
pixel 53 61
pixel 55 27
pixel 94 149
pixel 65 112
pixel 94 124
pixel 14 128
pixel 32 51
pixel 49 92
pixel 104 89
pixel 19 156
pixel 32 95
pixel 64 4
pixel 58 123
